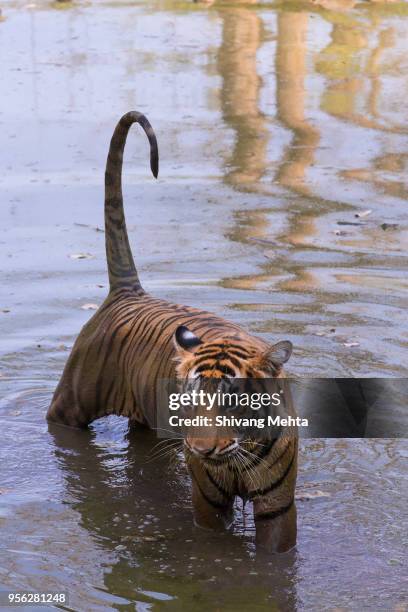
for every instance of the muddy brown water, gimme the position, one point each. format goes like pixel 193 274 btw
pixel 277 125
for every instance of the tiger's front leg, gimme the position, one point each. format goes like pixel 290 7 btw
pixel 276 528
pixel 274 500
pixel 212 503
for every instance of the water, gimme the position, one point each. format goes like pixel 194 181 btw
pixel 277 124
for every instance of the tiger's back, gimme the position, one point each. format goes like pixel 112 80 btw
pixel 122 353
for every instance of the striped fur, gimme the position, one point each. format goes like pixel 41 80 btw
pixel 135 340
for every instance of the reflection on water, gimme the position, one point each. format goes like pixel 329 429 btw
pixel 294 118
pixel 277 125
pixel 331 86
pixel 242 35
pixel 291 98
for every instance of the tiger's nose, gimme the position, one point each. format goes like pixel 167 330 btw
pixel 204 451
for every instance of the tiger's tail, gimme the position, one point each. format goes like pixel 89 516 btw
pixel 121 267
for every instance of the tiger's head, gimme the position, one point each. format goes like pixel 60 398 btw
pixel 226 358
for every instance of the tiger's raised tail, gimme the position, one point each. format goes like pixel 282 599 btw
pixel 121 267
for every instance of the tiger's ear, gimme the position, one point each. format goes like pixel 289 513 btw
pixel 185 340
pixel 275 356
pixel 279 353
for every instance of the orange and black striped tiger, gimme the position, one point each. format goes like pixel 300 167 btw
pixel 135 340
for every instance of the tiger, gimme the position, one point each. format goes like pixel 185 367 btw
pixel 134 340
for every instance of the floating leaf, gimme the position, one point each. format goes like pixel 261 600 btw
pixel 305 495
pixel 89 306
pixel 94 227
pixel 394 562
pixel 81 256
pixel 332 330
pixel 365 213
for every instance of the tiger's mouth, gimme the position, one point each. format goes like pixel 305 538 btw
pixel 212 454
